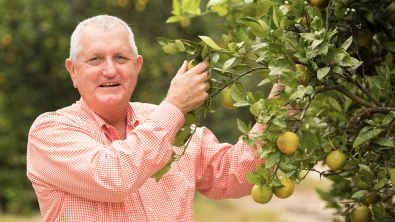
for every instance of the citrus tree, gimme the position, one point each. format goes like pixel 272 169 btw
pixel 334 60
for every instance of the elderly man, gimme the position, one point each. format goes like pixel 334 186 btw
pixel 92 161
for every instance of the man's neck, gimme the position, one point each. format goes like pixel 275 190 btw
pixel 115 117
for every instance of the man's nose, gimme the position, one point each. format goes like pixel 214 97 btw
pixel 109 68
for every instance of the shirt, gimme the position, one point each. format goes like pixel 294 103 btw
pixel 82 171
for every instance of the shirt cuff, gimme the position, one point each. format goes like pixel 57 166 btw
pixel 169 117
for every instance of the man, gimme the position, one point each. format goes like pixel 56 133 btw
pixel 92 161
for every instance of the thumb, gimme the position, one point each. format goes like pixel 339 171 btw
pixel 183 68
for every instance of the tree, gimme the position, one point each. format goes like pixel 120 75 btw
pixel 346 105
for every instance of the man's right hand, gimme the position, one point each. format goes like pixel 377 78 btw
pixel 188 89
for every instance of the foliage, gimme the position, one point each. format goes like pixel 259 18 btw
pixel 347 105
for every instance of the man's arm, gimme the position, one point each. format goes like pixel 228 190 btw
pixel 62 155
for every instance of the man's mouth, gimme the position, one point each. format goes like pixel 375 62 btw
pixel 109 85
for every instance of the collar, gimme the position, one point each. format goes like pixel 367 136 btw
pixel 132 119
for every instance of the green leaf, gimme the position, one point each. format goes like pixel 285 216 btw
pixel 228 64
pixel 309 90
pixel 370 17
pixel 171 48
pixel 238 92
pixel 279 122
pixel 275 102
pixel 265 81
pixel 242 126
pixel 256 27
pixel 366 136
pixel 273 157
pixel 391 46
pixel 278 66
pixel 308 36
pixel 381 183
pixel 254 109
pixel 258 96
pixel 316 24
pixel 309 141
pixel 277 48
pixel 358 194
pixel 276 183
pixel 392 173
pixel 210 42
pixel 299 93
pixel 321 73
pixel 364 167
pixel 381 82
pixel 347 43
pixel 213 61
pixel 176 8
pixel 389 117
pixel 189 119
pixel 173 19
pixel 383 141
pixel 334 104
pixel 162 171
pixel 242 104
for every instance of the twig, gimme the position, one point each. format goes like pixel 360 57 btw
pixel 390 129
pixel 327 16
pixel 357 116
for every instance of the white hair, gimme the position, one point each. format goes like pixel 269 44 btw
pixel 105 22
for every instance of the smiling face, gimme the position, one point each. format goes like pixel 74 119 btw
pixel 106 70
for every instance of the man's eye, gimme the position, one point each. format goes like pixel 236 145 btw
pixel 96 58
pixel 121 57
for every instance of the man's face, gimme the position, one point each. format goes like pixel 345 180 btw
pixel 106 69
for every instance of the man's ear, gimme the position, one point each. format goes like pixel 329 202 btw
pixel 139 63
pixel 70 68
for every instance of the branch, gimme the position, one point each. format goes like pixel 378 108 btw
pixel 364 90
pixel 357 116
pixel 390 129
pixel 327 16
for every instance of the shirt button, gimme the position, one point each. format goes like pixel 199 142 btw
pixel 150 209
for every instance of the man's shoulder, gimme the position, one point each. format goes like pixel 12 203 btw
pixel 72 114
pixel 143 110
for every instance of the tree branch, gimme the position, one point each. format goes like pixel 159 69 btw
pixel 357 116
pixel 390 129
pixel 327 15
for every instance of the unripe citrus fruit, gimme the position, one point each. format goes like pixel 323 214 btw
pixel 190 66
pixel 288 6
pixel 336 160
pixel 288 142
pixel 363 37
pixel 361 214
pixel 305 21
pixel 305 78
pixel 374 198
pixel 286 191
pixel 390 12
pixel 262 195
pixel 321 4
pixel 226 99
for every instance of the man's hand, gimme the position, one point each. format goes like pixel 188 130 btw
pixel 188 89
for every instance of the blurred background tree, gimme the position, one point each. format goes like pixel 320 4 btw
pixel 34 44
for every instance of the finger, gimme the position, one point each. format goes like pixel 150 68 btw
pixel 201 67
pixel 183 68
pixel 207 86
pixel 206 76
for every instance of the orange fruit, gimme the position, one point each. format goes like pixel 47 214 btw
pixel 287 190
pixel 336 160
pixel 226 99
pixel 263 194
pixel 363 37
pixel 321 4
pixel 361 214
pixel 288 142
pixel 305 78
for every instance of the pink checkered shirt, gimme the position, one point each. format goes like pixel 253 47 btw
pixel 82 171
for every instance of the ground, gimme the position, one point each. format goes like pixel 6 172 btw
pixel 304 205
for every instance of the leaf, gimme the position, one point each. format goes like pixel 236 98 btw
pixel 242 126
pixel 171 48
pixel 214 60
pixel 264 82
pixel 370 17
pixel 309 141
pixel 366 136
pixel 238 92
pixel 172 19
pixel 299 93
pixel 279 122
pixel 273 157
pixel 242 104
pixel 277 48
pixel 392 173
pixel 228 64
pixel 344 138
pixel 321 73
pixel 383 142
pixel 381 183
pixel 308 36
pixel 210 42
pixel 364 167
pixel 381 82
pixel 389 117
pixel 391 46
pixel 347 43
pixel 256 27
pixel 162 171
pixel 358 194
pixel 275 102
pixel 278 66
pixel 334 104
pixel 189 119
pixel 276 183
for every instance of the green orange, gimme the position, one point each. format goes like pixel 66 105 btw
pixel 361 214
pixel 287 190
pixel 262 194
pixel 226 99
pixel 336 160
